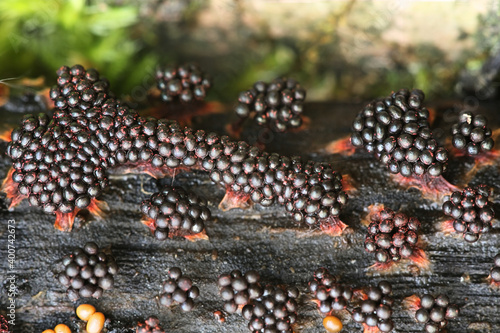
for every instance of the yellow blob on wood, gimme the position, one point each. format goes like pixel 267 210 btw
pixel 84 311
pixel 332 324
pixel 95 323
pixel 48 331
pixel 61 328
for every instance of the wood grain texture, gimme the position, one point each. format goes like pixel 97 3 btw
pixel 264 239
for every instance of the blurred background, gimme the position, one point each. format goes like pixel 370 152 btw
pixel 339 50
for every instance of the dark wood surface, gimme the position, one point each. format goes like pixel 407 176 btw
pixel 264 239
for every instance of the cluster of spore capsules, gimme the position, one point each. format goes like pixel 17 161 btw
pixel 179 289
pixel 471 211
pixel 237 289
pixel 88 272
pixel 392 236
pixel 277 105
pixel 186 83
pixel 396 130
pixel 275 311
pixel 331 295
pixel 174 211
pixel 435 312
pixel 268 309
pixel 376 310
pixel 471 134
pixel 61 164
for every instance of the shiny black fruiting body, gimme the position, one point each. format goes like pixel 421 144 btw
pixel 471 211
pixel 396 130
pixel 471 134
pixel 331 295
pixel 178 289
pixel 275 311
pixel 435 312
pixel 376 310
pixel 59 163
pixel 88 272
pixel 392 236
pixel 237 289
pixel 79 88
pixel 62 163
pixel 277 105
pixel 177 211
pixel 185 83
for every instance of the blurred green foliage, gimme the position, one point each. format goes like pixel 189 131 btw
pixel 37 37
pixel 333 56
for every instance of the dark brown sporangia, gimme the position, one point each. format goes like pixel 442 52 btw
pixel 275 311
pixel 277 105
pixel 375 310
pixel 184 83
pixel 471 212
pixel 471 134
pixel 432 311
pixel 88 272
pixel 62 164
pixel 178 289
pixel 238 289
pixel 328 293
pixel 393 237
pixel 396 130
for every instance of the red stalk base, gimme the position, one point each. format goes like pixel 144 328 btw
pixel 9 187
pixel 348 184
pixel 447 227
pixel 332 226
pixel 341 146
pixel 432 188
pixel 419 258
pixel 411 304
pixel 64 221
pixel 233 200
pixel 370 329
pixel 5 135
pixel 493 284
